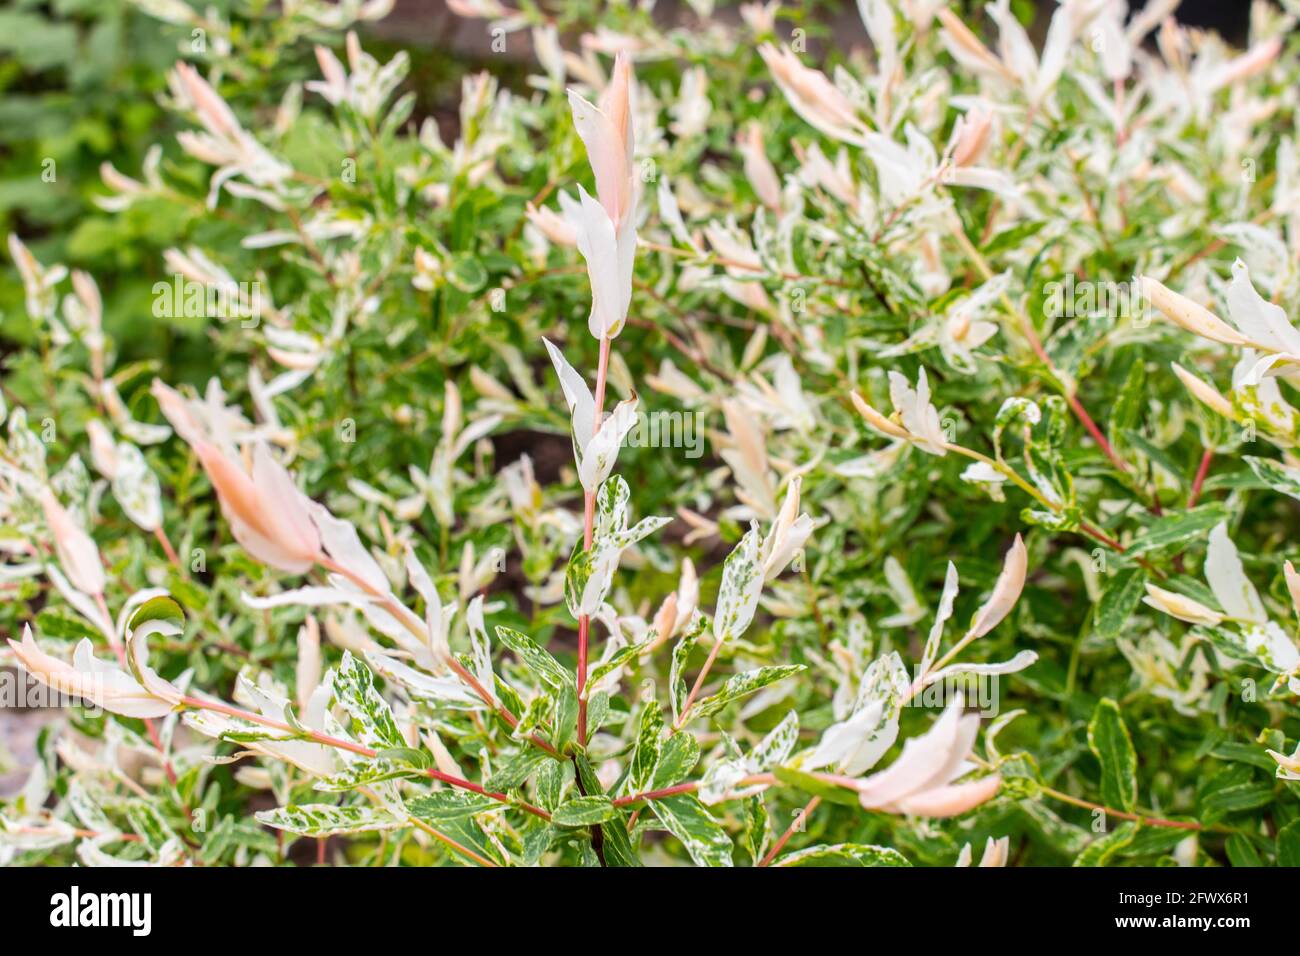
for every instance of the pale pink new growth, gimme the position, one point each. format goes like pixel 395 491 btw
pixel 920 781
pixel 77 553
pixel 268 515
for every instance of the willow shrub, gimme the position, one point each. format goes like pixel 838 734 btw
pixel 696 449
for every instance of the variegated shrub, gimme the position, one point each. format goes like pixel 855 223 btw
pixel 693 444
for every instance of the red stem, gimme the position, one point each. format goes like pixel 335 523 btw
pixel 1095 432
pixel 1080 412
pixel 1201 472
pixel 412 624
pixel 172 556
pixel 798 821
pixel 352 747
pixel 699 682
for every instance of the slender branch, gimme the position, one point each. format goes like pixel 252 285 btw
pixel 163 540
pixel 1121 814
pixel 412 624
pixel 1011 474
pixel 1201 472
pixel 1027 328
pixel 799 819
pixel 690 787
pixel 459 848
pixel 198 703
pixel 588 528
pixel 699 683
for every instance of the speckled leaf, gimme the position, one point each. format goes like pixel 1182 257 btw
pixel 678 688
pixel 372 718
pixel 322 819
pixel 532 656
pixel 742 685
pixel 1276 476
pixel 844 854
pixel 616 660
pixel 742 583
pixel 754 838
pixel 777 745
pixel 566 718
pixel 365 772
pixel 702 836
pixel 443 806
pixel 677 758
pixel 584 811
pixel 146 821
pixel 516 769
pixel 646 756
pixel 550 783
pixel 1177 528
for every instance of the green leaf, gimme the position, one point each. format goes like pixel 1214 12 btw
pixel 58 624
pixel 1242 853
pixel 1249 796
pixel 702 836
pixel 1177 529
pixel 445 806
pixel 160 608
pixel 677 758
pixel 537 660
pixel 584 811
pixel 754 838
pixel 742 685
pixel 517 769
pixel 1119 600
pixel 1288 844
pixel 1130 402
pixel 372 718
pixel 1012 237
pixel 1109 741
pixel 614 835
pixel 322 819
pixel 844 854
pixel 466 831
pixel 466 273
